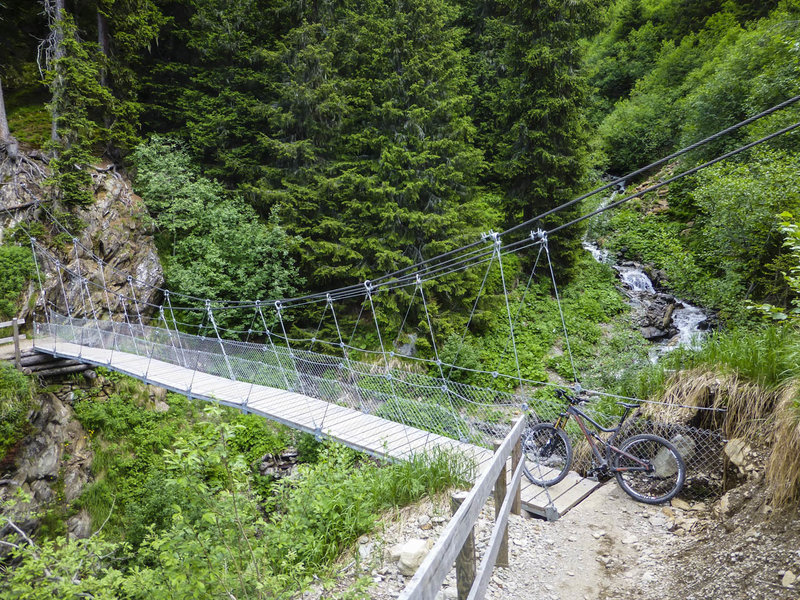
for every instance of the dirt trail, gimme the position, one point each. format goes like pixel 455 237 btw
pixel 609 547
pixel 604 548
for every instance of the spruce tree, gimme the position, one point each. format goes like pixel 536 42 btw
pixel 531 104
pixel 392 170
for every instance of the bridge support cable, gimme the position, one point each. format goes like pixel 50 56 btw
pixel 114 344
pixel 521 302
pixel 463 436
pixel 184 362
pixel 42 297
pixel 471 315
pixel 398 405
pixel 213 322
pixel 558 302
pixel 268 333
pixel 66 301
pixel 293 358
pixel 85 287
pixel 496 241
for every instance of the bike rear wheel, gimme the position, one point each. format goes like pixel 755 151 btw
pixel 653 473
pixel 548 454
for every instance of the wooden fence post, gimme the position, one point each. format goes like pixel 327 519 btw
pixel 499 498
pixel 465 562
pixel 15 326
pixel 516 456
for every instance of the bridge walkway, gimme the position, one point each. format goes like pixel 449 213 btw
pixel 363 432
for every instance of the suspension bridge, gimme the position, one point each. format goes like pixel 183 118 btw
pixel 376 398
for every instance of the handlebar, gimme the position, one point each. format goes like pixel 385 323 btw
pixel 563 395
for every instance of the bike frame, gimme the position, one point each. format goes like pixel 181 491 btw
pixel 591 436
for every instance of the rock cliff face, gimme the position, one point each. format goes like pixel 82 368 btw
pixel 116 228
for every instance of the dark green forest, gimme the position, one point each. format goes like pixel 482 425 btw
pixel 284 148
pixel 361 137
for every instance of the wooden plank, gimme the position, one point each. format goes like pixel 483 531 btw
pixel 10 323
pixel 575 494
pixel 484 574
pixel 434 568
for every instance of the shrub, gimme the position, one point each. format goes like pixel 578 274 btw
pixel 17 267
pixel 16 398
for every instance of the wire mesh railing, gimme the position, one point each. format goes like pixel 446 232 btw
pixel 391 391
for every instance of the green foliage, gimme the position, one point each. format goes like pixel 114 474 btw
pixel 254 437
pixel 730 251
pixel 530 107
pixel 695 73
pixel 78 568
pixel 73 79
pixel 387 170
pixel 17 267
pixel 30 125
pixel 204 530
pixel 214 245
pixel 16 399
pixel 791 230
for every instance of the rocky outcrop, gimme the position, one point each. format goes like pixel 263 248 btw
pixel 116 228
pixel 52 466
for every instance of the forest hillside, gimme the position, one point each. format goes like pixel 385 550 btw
pixel 245 150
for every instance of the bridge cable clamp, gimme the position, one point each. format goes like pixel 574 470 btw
pixel 540 235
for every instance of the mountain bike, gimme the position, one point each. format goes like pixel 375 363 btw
pixel 649 468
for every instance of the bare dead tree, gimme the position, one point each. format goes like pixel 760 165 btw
pixel 103 43
pixel 50 50
pixel 6 139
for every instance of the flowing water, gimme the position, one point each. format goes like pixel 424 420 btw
pixel 685 318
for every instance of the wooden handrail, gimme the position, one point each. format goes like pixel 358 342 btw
pixel 434 569
pixel 15 337
pixel 11 323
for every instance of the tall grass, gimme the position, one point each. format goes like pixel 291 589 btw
pixel 767 356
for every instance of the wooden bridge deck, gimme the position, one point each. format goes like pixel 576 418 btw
pixel 367 433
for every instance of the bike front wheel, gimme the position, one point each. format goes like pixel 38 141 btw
pixel 548 454
pixel 649 468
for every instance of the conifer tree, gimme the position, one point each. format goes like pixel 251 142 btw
pixel 531 103
pixel 391 172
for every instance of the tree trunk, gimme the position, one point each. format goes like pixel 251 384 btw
pixel 6 139
pixel 4 131
pixel 57 35
pixel 102 41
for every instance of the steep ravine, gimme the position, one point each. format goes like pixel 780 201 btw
pixel 668 322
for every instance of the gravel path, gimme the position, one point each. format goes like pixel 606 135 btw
pixel 608 547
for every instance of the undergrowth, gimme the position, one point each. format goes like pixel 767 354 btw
pixel 16 399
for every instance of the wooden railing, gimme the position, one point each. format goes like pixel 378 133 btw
pixel 15 337
pixel 456 543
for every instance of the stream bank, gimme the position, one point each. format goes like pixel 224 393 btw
pixel 663 319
